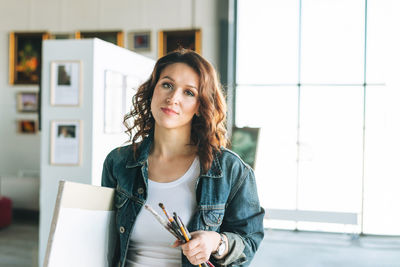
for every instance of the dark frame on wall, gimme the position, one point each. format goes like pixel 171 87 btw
pixel 114 37
pixel 172 40
pixel 62 35
pixel 27 126
pixel 25 54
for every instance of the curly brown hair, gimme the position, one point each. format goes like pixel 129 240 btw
pixel 208 131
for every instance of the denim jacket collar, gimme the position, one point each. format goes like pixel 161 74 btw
pixel 144 152
pixel 214 172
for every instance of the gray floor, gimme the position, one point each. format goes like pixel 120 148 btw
pixel 19 244
pixel 310 249
pixel 18 248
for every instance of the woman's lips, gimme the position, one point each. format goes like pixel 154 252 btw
pixel 169 111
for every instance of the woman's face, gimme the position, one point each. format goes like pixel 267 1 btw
pixel 176 97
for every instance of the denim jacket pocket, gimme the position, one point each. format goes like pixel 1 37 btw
pixel 120 199
pixel 213 216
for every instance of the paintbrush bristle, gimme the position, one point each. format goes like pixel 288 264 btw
pixel 161 205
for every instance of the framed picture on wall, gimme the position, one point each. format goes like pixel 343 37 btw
pixel 114 37
pixel 61 35
pixel 139 41
pixel 27 126
pixel 27 101
pixel 66 142
pixel 172 40
pixel 25 53
pixel 65 83
pixel 244 142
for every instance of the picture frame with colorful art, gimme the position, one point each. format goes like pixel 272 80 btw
pixel 27 126
pixel 27 102
pixel 172 40
pixel 139 41
pixel 114 37
pixel 25 53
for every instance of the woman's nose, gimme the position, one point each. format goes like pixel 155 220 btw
pixel 173 97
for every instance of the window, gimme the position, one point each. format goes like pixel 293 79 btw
pixel 319 78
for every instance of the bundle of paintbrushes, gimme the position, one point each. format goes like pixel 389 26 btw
pixel 175 226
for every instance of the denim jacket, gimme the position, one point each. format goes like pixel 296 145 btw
pixel 227 202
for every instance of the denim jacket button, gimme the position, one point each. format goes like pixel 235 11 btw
pixel 122 230
pixel 140 190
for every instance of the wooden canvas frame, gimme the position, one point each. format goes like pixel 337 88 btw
pixel 25 54
pixel 72 236
pixel 171 40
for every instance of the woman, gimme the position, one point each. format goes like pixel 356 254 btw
pixel 177 157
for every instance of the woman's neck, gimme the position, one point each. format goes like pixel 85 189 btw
pixel 169 143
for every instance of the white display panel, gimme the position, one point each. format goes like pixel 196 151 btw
pixel 114 102
pixel 267 42
pixel 331 148
pixel 332 41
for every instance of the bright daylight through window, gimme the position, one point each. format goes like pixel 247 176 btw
pixel 318 77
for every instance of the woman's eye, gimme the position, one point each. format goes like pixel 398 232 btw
pixel 167 85
pixel 189 93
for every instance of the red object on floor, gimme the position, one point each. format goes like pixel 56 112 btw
pixel 5 211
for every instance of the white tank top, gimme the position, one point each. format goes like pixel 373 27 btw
pixel 150 243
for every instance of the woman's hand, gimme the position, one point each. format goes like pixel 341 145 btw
pixel 200 247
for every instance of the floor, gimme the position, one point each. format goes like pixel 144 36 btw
pixel 18 248
pixel 19 243
pixel 315 249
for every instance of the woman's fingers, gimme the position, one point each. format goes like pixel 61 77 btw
pixel 192 248
pixel 177 243
pixel 200 247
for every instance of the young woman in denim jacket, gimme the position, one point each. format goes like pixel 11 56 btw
pixel 178 117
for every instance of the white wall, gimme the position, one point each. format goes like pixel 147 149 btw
pixel 21 152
